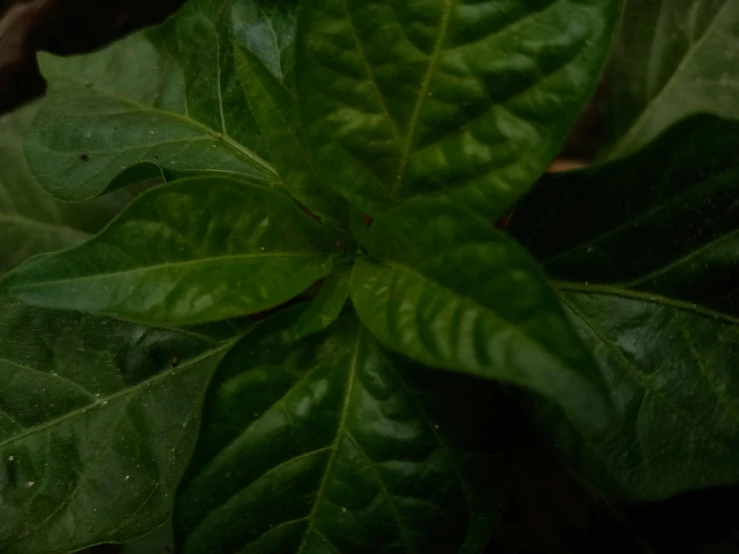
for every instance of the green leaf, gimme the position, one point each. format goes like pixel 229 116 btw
pixel 661 222
pixel 672 59
pixel 31 222
pixel 96 426
pixel 330 445
pixel 327 307
pixel 189 252
pixel 274 107
pixel 470 100
pixel 454 292
pixel 267 29
pixel 177 105
pixel 646 258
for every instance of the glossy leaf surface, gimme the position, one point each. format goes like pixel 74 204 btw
pixel 96 426
pixel 454 292
pixel 648 269
pixel 327 306
pixel 672 59
pixel 330 445
pixel 193 251
pixel 31 222
pixel 469 99
pixel 169 97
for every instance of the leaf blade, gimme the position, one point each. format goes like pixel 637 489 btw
pixel 688 69
pixel 189 252
pixel 332 462
pixel 647 269
pixel 329 303
pixel 105 112
pixel 444 131
pixel 65 445
pixel 455 293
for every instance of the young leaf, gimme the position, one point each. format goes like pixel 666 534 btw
pixel 96 426
pixel 326 308
pixel 31 222
pixel 330 445
pixel 189 252
pixel 672 59
pixel 646 258
pixel 466 99
pixel 456 293
pixel 177 105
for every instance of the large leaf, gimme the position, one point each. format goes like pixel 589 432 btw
pixel 672 59
pixel 31 222
pixel 470 99
pixel 646 256
pixel 330 445
pixel 97 423
pixel 169 97
pixel 454 292
pixel 193 251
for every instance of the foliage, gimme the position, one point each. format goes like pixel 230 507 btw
pixel 254 292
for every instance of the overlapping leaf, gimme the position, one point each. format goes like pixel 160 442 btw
pixel 31 222
pixel 169 97
pixel 454 292
pixel 97 424
pixel 193 251
pixel 329 445
pixel 646 258
pixel 672 59
pixel 461 98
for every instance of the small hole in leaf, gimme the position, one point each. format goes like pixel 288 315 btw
pixel 84 157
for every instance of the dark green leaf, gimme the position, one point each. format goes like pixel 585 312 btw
pixel 326 308
pixel 454 292
pixel 672 373
pixel 177 105
pixel 274 108
pixel 96 426
pixel 646 255
pixel 663 221
pixel 189 252
pixel 329 445
pixel 466 99
pixel 31 222
pixel 672 59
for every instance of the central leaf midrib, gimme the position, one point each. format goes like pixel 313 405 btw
pixel 227 140
pixel 612 290
pixel 446 16
pixel 157 267
pixel 102 401
pixel 340 431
